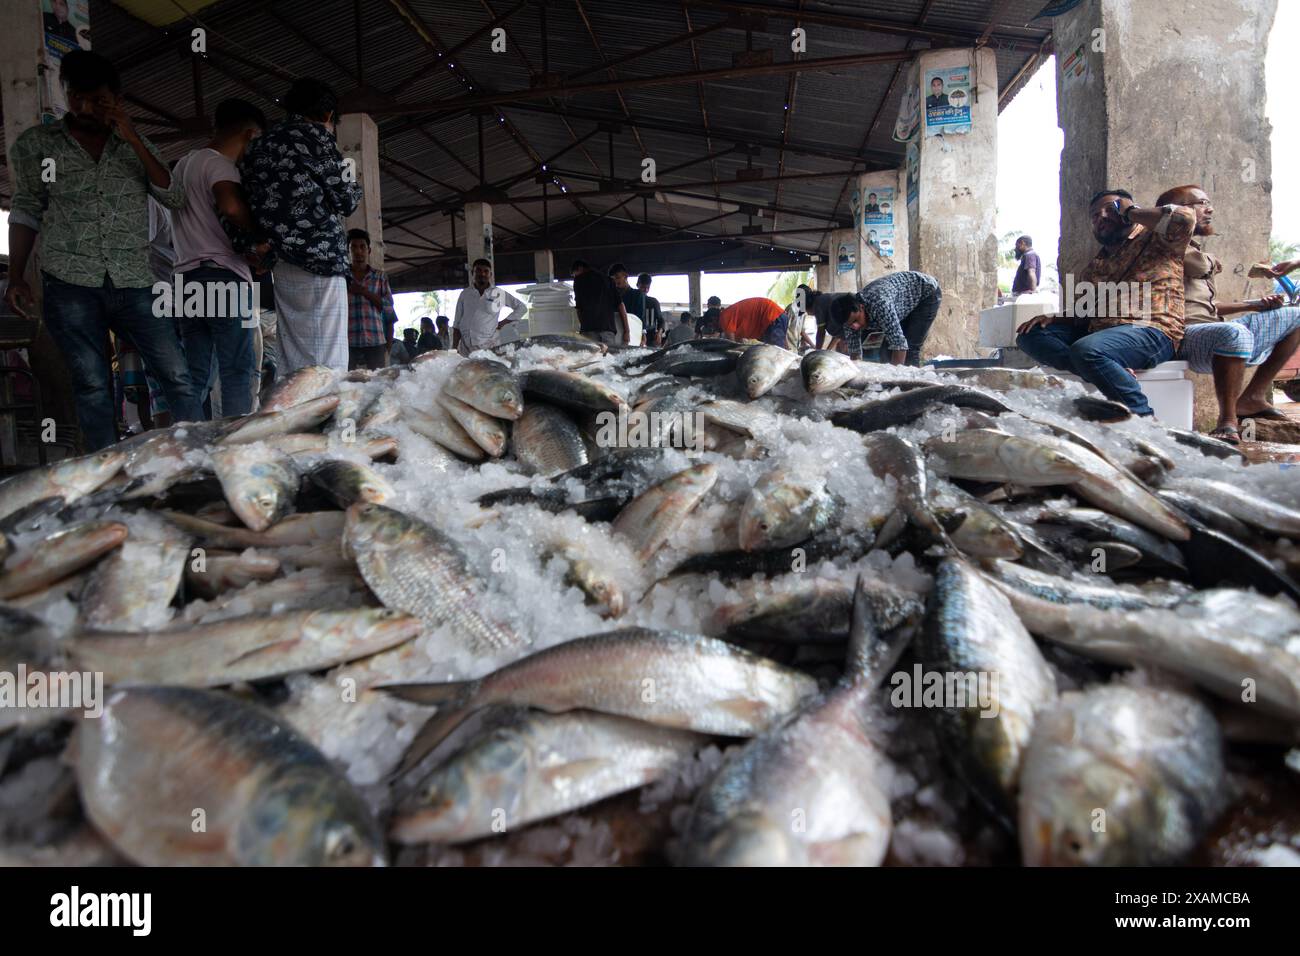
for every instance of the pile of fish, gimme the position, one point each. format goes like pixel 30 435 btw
pixel 774 610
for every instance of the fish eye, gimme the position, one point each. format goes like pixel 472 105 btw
pixel 340 844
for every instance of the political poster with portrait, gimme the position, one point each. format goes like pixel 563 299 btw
pixel 65 26
pixel 878 207
pixel 947 100
pixel 846 258
pixel 855 200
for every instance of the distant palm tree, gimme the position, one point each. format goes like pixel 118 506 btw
pixel 1279 250
pixel 1007 247
pixel 431 302
pixel 782 290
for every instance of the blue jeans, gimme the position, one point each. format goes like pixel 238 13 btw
pixel 80 318
pixel 1101 358
pixel 228 335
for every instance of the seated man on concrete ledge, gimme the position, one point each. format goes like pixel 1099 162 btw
pixel 1266 336
pixel 1125 310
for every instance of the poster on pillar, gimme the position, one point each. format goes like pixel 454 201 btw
pixel 878 209
pixel 881 239
pixel 909 111
pixel 878 220
pixel 947 100
pixel 855 201
pixel 488 252
pixel 65 25
pixel 846 257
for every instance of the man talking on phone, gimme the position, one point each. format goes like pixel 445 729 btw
pixel 83 185
pixel 1128 308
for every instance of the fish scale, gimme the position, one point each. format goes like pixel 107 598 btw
pixel 413 567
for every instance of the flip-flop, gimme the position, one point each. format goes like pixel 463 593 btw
pixel 1227 434
pixel 1275 414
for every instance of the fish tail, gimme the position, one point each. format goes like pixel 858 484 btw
pixel 871 657
pixel 455 702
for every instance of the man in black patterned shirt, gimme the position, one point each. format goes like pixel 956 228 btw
pixel 900 306
pixel 300 189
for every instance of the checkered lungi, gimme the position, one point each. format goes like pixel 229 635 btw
pixel 1251 336
pixel 312 314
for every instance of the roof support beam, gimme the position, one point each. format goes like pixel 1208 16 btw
pixel 854 22
pixel 821 150
pixel 687 37
pixel 433 64
pixel 642 82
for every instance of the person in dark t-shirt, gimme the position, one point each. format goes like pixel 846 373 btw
pixel 1031 267
pixel 600 309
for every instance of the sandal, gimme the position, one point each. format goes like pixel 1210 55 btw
pixel 1227 434
pixel 1274 414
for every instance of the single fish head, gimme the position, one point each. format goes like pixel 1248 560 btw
pixel 1089 813
pixel 509 399
pixel 781 512
pixel 258 507
pixel 374 491
pixel 308 816
pixel 482 785
pixel 105 463
pixel 749 840
pixel 373 527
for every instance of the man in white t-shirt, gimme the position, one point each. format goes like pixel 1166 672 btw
pixel 218 295
pixel 479 308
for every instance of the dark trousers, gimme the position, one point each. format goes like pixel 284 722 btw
pixel 1101 358
pixel 916 325
pixel 367 356
pixel 80 317
pixel 224 331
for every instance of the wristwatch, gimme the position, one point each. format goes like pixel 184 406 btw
pixel 1126 214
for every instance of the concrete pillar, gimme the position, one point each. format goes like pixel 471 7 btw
pixel 822 278
pixel 955 232
pixel 544 266
pixel 696 291
pixel 28 84
pixel 885 219
pixel 358 139
pixel 478 235
pixel 843 253
pixel 1208 60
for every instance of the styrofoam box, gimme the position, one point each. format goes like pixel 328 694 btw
pixel 1169 391
pixel 998 325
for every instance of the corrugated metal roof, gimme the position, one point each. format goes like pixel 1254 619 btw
pixel 430 158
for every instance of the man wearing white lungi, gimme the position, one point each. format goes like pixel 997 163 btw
pixel 300 190
pixel 478 311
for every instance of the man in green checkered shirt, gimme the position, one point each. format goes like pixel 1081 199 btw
pixel 82 185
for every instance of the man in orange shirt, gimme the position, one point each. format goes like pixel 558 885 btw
pixel 756 318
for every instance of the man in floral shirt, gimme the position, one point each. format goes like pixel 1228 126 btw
pixel 300 190
pixel 1127 312
pixel 83 186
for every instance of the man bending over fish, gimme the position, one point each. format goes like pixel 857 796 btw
pixel 901 307
pixel 1265 336
pixel 1124 311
